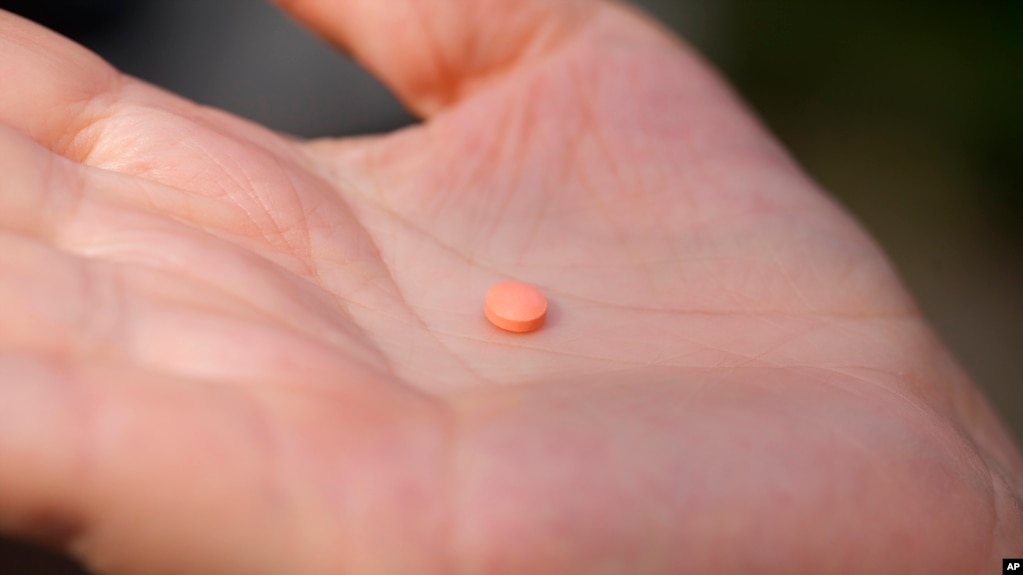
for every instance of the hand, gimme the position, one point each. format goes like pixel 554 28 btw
pixel 224 351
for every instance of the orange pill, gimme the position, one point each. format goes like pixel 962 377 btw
pixel 515 306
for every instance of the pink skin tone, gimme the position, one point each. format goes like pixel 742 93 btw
pixel 227 351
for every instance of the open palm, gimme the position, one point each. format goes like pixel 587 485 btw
pixel 222 351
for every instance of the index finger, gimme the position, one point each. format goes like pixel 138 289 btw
pixel 49 82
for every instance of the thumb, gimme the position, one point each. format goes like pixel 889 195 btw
pixel 433 53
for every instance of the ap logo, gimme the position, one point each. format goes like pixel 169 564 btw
pixel 1012 566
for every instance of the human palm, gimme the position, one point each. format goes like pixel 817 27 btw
pixel 224 351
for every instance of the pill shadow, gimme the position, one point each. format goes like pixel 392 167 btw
pixel 554 316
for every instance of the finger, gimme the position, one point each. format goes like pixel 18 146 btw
pixel 46 197
pixel 54 304
pixel 136 472
pixel 64 96
pixel 194 165
pixel 36 188
pixel 72 102
pixel 101 461
pixel 49 82
pixel 432 53
pixel 36 461
pixel 588 84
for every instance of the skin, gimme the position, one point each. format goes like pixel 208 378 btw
pixel 226 351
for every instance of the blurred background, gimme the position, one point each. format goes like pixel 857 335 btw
pixel 910 113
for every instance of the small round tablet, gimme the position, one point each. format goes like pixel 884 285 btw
pixel 515 306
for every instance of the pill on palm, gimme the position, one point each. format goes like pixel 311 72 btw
pixel 515 306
